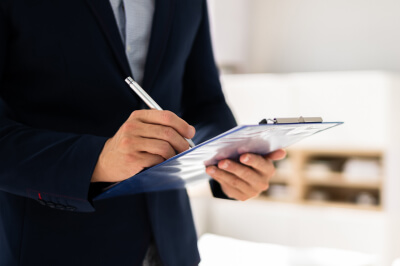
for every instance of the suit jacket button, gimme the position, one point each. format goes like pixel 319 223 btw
pixel 60 206
pixel 70 208
pixel 51 204
pixel 42 202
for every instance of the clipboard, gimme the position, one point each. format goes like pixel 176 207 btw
pixel 189 167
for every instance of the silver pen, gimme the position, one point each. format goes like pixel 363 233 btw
pixel 147 99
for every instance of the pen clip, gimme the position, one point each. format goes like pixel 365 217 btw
pixel 291 120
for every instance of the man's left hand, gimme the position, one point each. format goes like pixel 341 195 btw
pixel 247 178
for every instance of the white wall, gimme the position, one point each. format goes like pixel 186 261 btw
pixel 357 98
pixel 315 35
pixel 307 35
pixel 230 25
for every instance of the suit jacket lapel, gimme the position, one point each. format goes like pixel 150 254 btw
pixel 161 27
pixel 105 17
pixel 162 23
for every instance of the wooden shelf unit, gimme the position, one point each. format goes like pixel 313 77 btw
pixel 296 184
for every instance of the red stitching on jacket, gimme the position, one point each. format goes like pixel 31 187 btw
pixel 55 195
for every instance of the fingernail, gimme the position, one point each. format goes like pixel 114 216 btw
pixel 191 132
pixel 245 159
pixel 224 165
pixel 210 170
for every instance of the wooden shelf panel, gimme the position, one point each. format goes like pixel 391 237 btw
pixel 323 203
pixel 339 152
pixel 342 205
pixel 280 179
pixel 342 182
pixel 271 199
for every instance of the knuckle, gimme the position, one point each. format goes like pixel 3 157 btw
pixel 135 114
pixel 234 182
pixel 128 127
pixel 168 132
pixel 166 116
pixel 246 172
pixel 130 158
pixel 125 141
pixel 165 149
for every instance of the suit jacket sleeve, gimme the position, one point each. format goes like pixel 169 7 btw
pixel 203 100
pixel 54 168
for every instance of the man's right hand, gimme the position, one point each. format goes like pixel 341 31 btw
pixel 147 138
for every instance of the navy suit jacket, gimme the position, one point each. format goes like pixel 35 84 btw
pixel 62 95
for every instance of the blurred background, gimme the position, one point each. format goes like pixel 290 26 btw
pixel 335 199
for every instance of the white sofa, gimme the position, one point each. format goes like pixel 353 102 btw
pixel 219 250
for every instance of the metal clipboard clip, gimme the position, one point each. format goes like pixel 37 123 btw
pixel 291 120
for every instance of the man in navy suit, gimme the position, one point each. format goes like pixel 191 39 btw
pixel 69 126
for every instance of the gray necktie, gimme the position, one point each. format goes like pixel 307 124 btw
pixel 134 18
pixel 135 30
